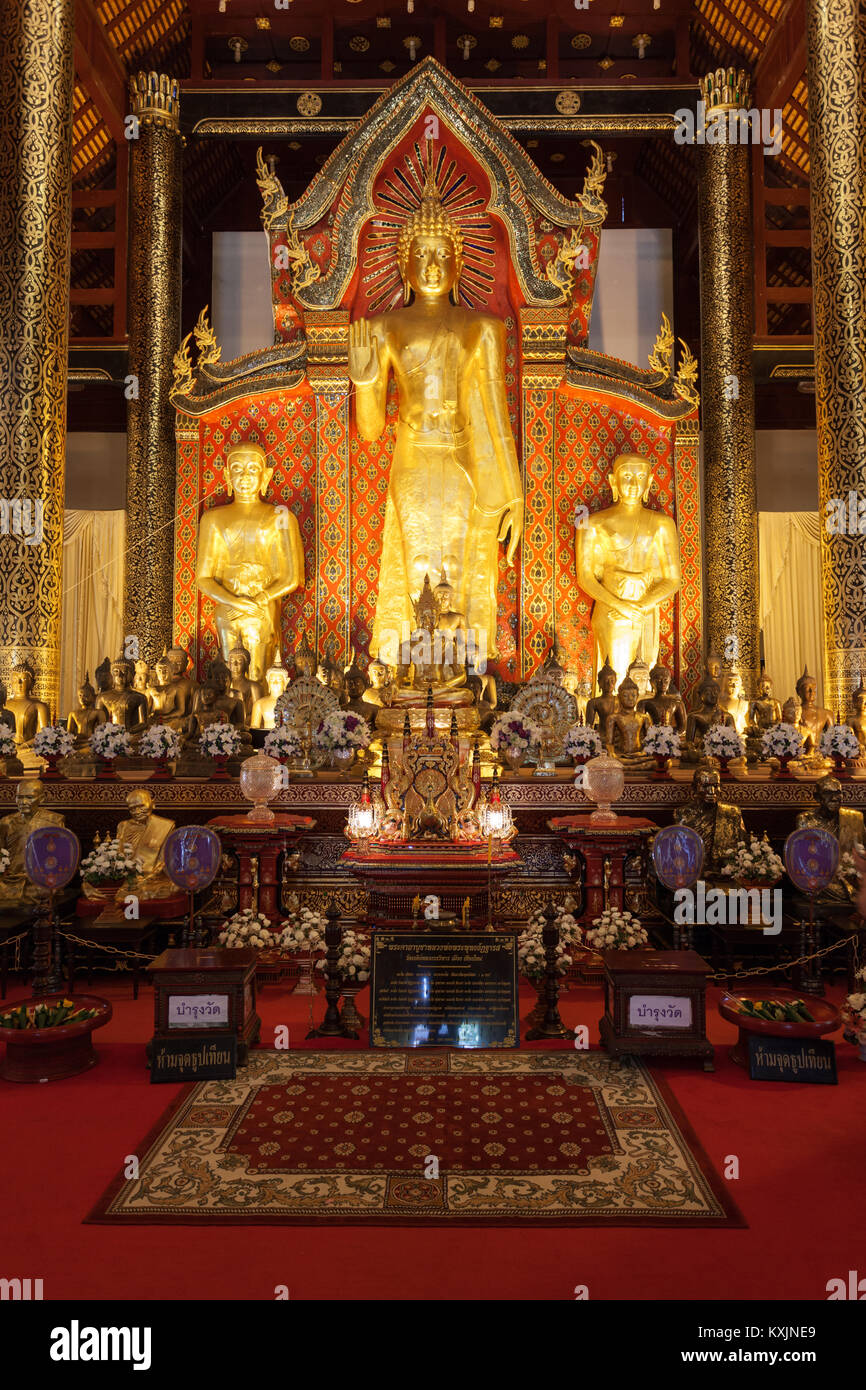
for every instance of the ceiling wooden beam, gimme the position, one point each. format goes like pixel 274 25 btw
pixel 99 68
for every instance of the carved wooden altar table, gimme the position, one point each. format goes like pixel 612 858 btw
pixel 258 847
pixel 604 850
pixel 393 874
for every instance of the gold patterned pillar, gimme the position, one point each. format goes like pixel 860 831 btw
pixel 727 386
pixel 35 219
pixel 836 39
pixel 155 221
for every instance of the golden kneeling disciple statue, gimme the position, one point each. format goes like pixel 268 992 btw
pixel 144 835
pixel 16 890
pixel 628 561
pixel 454 491
pixel 249 557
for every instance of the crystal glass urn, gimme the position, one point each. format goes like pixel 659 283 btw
pixel 603 781
pixel 261 778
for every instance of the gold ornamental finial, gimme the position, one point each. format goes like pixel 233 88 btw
pixel 593 182
pixel 155 99
pixel 685 380
pixel 209 350
pixel 661 357
pixel 725 89
pixel 182 382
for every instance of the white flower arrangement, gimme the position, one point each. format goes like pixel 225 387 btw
pixel 616 931
pixel 839 741
pixel 283 742
pixel 721 741
pixel 531 957
pixel 220 741
pixel 341 731
pixel 109 741
pixel 110 861
pixel 247 928
pixel 513 733
pixel 662 741
pixel 848 869
pixel 53 739
pixel 354 959
pixel 782 741
pixel 755 862
pixel 5 861
pixel 582 742
pixel 159 741
pixel 303 931
pixel 854 1014
pixel 7 742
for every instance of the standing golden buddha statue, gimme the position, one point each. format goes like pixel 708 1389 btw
pixel 628 561
pixel 455 491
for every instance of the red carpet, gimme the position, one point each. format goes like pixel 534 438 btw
pixel 800 1189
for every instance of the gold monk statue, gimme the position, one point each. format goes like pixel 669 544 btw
pixel 455 491
pixel 249 557
pixel 144 836
pixel 628 561
pixel 16 889
pixel 843 822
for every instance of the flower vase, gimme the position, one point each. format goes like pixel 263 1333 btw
pixel 349 1016
pixel 342 759
pixel 220 772
pixel 161 770
pixel 306 984
pixel 105 770
pixel 51 772
pixel 724 770
pixel 661 766
pixel 105 892
pixel 783 772
pixel 513 758
pixel 580 759
pixel 841 766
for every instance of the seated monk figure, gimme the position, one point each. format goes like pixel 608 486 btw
pixel 84 718
pixel 600 708
pixel 277 681
pixel 30 715
pixel 16 889
pixel 664 706
pixel 842 821
pixel 720 826
pixel 165 696
pixel 144 835
pixel 625 728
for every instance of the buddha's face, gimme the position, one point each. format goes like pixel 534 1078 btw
pixel 163 670
pixel 246 474
pixel 765 688
pixel 607 682
pixel 86 696
pixel 28 799
pixel 732 685
pixel 714 667
pixel 631 478
pixel 139 804
pixel 431 268
pixel 119 678
pixel 445 595
pixel 711 696
pixel 829 794
pixel 237 666
pixel 278 683
pixel 377 674
pixel 807 690
pixel 859 703
pixel 707 787
pixel 22 684
pixel 791 711
pixel 208 696
pixel 661 679
pixel 628 697
pixel 178 660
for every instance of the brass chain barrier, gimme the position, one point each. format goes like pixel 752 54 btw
pixel 789 964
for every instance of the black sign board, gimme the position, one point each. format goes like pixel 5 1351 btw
pixel 194 1057
pixel 808 1060
pixel 444 989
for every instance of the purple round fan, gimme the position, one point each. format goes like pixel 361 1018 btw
pixel 811 858
pixel 678 856
pixel 51 855
pixel 192 857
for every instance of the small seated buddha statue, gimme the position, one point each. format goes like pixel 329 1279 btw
pixel 625 728
pixel 582 694
pixel 764 710
pixel 122 704
pixel 141 679
pixel 380 690
pixel 812 716
pixel 207 709
pixel 705 714
pixel 732 699
pixel 600 708
pixel 277 681
pixel 82 720
pixel 792 713
pixel 165 696
pixel 183 680
pixel 240 685
pixel 664 705
pixel 857 718
pixel 30 715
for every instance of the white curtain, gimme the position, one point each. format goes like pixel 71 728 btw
pixel 791 613
pixel 94 550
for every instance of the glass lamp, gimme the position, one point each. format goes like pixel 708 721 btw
pixel 261 778
pixel 495 818
pixel 363 818
pixel 603 781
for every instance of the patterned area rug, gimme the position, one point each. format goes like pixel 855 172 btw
pixel 500 1138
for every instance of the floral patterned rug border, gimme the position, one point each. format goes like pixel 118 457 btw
pixel 655 1174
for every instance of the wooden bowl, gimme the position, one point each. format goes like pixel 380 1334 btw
pixel 826 1018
